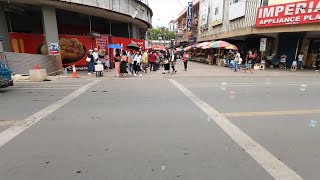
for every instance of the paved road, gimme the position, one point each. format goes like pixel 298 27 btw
pixel 215 124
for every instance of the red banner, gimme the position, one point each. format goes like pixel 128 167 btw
pixel 124 42
pixel 303 12
pixel 73 49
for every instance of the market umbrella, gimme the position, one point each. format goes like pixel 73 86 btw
pixel 114 46
pixel 133 47
pixel 232 47
pixel 203 44
pixel 219 44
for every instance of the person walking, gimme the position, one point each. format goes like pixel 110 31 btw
pixel 117 62
pixel 153 59
pixel 173 60
pixel 137 62
pixel 248 62
pixel 107 63
pixel 130 62
pixel 123 65
pixel 144 61
pixel 236 62
pixel 90 60
pixel 166 63
pixel 300 60
pixel 185 60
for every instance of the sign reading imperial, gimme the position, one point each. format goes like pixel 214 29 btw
pixel 303 12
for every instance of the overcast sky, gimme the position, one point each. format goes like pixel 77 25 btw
pixel 165 10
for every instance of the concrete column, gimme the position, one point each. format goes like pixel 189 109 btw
pixel 4 31
pixel 304 48
pixel 50 29
pixel 275 45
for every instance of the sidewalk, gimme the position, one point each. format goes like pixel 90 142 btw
pixel 196 69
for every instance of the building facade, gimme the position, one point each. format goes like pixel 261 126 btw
pixel 290 26
pixel 80 22
pixel 187 36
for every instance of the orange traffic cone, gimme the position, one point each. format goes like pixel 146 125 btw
pixel 36 67
pixel 74 71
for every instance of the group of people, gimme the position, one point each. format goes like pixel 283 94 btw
pixel 137 63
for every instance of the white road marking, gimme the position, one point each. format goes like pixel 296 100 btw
pixel 277 169
pixel 30 88
pixel 252 84
pixel 23 125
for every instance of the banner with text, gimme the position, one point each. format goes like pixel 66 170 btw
pixel 303 12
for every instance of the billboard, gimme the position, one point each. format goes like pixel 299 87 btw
pixel 217 12
pixel 189 16
pixel 204 12
pixel 237 9
pixel 302 12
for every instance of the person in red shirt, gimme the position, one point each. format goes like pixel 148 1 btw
pixel 153 58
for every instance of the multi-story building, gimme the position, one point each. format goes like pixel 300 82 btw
pixel 290 27
pixel 173 26
pixel 34 26
pixel 187 36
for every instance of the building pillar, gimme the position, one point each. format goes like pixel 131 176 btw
pixel 50 29
pixel 275 45
pixel 4 30
pixel 305 48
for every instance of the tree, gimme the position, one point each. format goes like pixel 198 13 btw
pixel 164 33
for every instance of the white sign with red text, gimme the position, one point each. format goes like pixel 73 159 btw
pixel 303 12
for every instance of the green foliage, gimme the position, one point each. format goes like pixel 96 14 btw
pixel 155 33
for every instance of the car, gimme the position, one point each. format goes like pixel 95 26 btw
pixel 5 74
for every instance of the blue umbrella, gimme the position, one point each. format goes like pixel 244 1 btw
pixel 114 46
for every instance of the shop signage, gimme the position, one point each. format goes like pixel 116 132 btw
pixel 189 16
pixel 303 12
pixel 263 44
pixel 204 12
pixel 54 48
pixel 217 12
pixel 237 8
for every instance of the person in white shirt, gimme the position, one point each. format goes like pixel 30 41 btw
pixel 236 62
pixel 137 62
pixel 96 54
pixel 300 60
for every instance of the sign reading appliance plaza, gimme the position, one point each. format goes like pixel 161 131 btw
pixel 303 12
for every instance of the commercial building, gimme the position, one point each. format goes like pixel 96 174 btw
pixel 188 33
pixel 290 26
pixel 41 26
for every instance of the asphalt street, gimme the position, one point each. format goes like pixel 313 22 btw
pixel 216 124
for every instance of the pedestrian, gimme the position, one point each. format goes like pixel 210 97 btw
pixel 107 63
pixel 300 60
pixel 90 61
pixel 283 61
pixel 153 59
pixel 317 62
pixel 166 63
pixel 137 62
pixel 173 60
pixel 248 63
pixel 144 61
pixel 237 61
pixel 185 60
pixel 294 65
pixel 95 57
pixel 130 62
pixel 117 62
pixel 123 65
